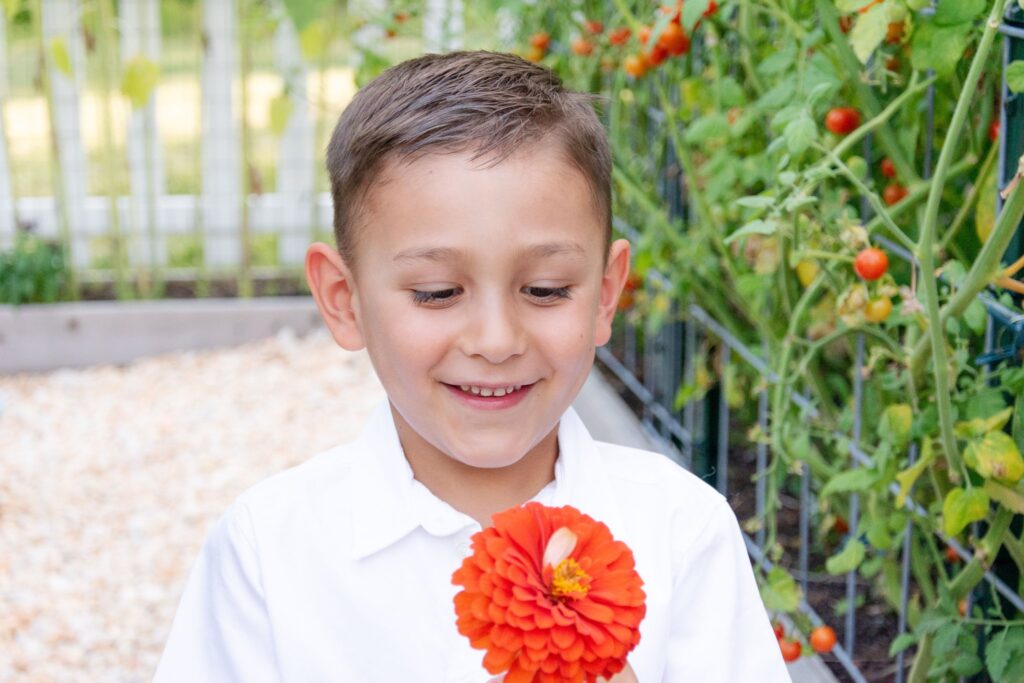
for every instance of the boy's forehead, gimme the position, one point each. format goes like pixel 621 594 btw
pixel 444 188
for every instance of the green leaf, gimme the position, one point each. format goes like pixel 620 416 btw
pixel 995 456
pixel 868 32
pixel 894 425
pixel 847 559
pixel 60 56
pixel 962 507
pixel 846 6
pixel 754 227
pixel 902 642
pixel 706 128
pixel 800 133
pixel 1014 75
pixel 951 12
pixel 756 202
pixel 1004 655
pixel 693 10
pixel 1011 498
pixel 980 426
pixel 281 108
pixel 976 316
pixel 139 79
pixel 907 477
pixel 779 592
pixel 859 479
pixel 940 47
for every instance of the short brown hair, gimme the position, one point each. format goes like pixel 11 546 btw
pixel 488 102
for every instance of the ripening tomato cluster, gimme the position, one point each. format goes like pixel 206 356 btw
pixel 822 640
pixel 592 37
pixel 871 264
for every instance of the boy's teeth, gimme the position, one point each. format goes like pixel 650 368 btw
pixel 485 392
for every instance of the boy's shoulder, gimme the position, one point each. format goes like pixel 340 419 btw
pixel 648 468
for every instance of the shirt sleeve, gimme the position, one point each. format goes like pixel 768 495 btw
pixel 720 631
pixel 221 631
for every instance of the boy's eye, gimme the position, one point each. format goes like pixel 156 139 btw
pixel 437 296
pixel 549 293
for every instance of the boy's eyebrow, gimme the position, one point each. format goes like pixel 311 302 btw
pixel 536 251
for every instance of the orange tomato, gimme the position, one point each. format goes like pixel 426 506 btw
pixel 582 47
pixel 635 65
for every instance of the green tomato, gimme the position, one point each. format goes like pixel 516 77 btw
pixel 858 166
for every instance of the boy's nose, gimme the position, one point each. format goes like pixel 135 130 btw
pixel 495 332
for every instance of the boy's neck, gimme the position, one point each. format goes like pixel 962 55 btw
pixel 478 491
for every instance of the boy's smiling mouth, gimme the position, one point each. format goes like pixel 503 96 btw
pixel 490 396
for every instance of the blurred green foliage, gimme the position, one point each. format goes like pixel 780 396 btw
pixel 34 271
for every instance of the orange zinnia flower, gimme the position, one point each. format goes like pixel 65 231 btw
pixel 550 596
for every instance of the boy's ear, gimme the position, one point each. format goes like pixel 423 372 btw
pixel 333 288
pixel 615 274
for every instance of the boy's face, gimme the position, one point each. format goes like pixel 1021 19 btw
pixel 481 278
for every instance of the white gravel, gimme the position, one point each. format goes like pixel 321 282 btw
pixel 110 478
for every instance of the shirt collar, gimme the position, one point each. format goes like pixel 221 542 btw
pixel 388 503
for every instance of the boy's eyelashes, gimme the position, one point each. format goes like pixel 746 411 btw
pixel 542 294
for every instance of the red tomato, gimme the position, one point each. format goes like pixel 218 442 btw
pixel 871 263
pixel 845 24
pixel 892 64
pixel 673 40
pixel 595 27
pixel 893 193
pixel 401 16
pixel 644 34
pixel 657 55
pixel 582 47
pixel 535 54
pixel 888 168
pixel 540 40
pixel 952 556
pixel 619 36
pixel 842 120
pixel 780 631
pixel 841 526
pixel 993 130
pixel 791 650
pixel 823 639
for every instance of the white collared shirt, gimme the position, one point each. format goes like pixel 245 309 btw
pixel 340 569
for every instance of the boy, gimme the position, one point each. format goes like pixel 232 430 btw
pixel 472 214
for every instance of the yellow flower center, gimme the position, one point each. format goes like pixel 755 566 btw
pixel 569 580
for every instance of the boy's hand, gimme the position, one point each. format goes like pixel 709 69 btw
pixel 624 676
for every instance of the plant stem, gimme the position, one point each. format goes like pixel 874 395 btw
pixel 986 267
pixel 881 212
pixel 972 198
pixel 778 407
pixel 925 246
